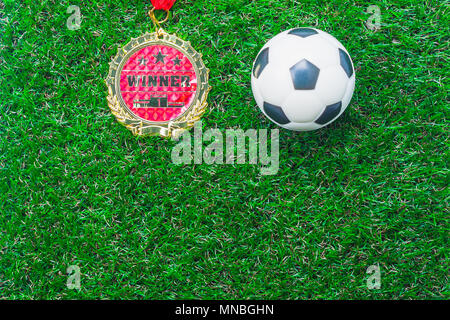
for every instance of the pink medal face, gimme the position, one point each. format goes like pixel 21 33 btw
pixel 158 83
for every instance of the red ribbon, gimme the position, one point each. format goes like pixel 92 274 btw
pixel 163 4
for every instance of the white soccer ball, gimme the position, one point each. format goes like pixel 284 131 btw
pixel 303 79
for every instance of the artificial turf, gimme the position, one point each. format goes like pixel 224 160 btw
pixel 78 189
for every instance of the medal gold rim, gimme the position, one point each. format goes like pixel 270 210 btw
pixel 142 127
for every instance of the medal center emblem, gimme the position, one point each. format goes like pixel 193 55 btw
pixel 158 83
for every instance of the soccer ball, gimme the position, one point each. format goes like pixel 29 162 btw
pixel 303 79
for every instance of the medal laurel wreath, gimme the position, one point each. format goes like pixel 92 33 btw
pixel 173 128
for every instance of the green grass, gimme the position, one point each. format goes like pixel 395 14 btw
pixel 78 189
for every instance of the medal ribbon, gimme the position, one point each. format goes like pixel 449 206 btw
pixel 163 4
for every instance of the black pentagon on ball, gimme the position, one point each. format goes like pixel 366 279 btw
pixel 303 32
pixel 275 113
pixel 261 62
pixel 346 63
pixel 304 75
pixel 329 113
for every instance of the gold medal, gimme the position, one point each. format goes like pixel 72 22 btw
pixel 157 84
